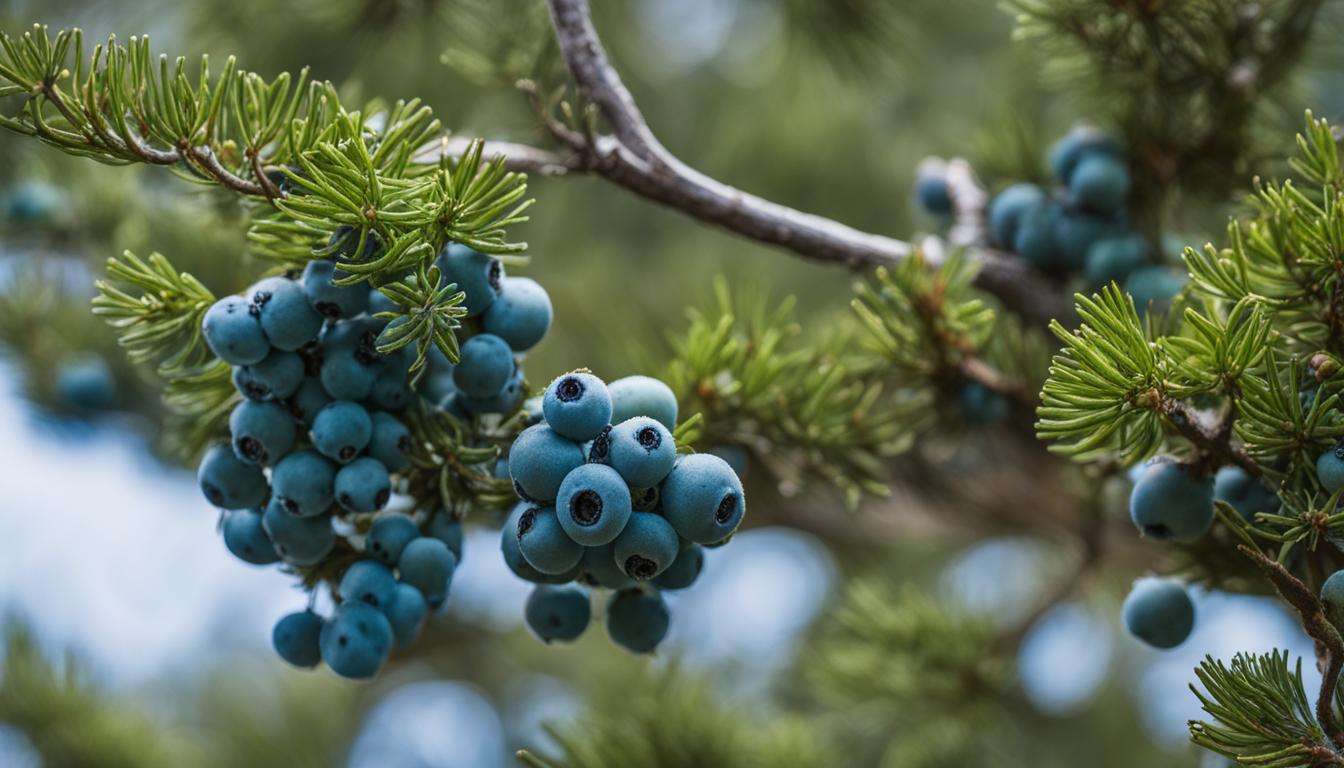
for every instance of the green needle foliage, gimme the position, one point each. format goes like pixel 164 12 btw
pixel 163 323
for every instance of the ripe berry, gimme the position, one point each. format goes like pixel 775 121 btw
pixel 1159 612
pixel 246 539
pixel 539 461
pixel 1007 209
pixel 406 614
pixel 1246 494
pixel 300 541
pixel 277 376
pixel 388 536
pixel 391 442
pixel 86 384
pixel 363 485
pixel 1100 183
pixel 557 613
pixel 286 316
pixel 544 543
pixel 1154 285
pixel 577 405
pixel 521 314
pixel 229 483
pixel 513 556
pixel 642 451
pixel 330 300
pixel 368 581
pixel 1035 239
pixel 303 483
pixel 342 430
pixel 981 406
pixel 477 275
pixel 345 376
pixel 600 569
pixel 1332 595
pixel 1113 259
pixel 262 432
pixel 435 387
pixel 646 547
pixel 448 529
pixel 296 637
pixel 933 193
pixel 637 620
pixel 1081 142
pixel 703 499
pixel 1329 468
pixel 356 641
pixel 310 398
pixel 504 401
pixel 593 504
pixel 643 396
pixel 233 332
pixel 1168 503
pixel 357 335
pixel 427 565
pixel 390 391
pixel 683 571
pixel 485 366
pixel 1076 232
pixel 646 499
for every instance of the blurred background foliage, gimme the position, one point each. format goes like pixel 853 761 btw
pixel 925 637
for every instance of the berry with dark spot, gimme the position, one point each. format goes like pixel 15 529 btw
pixel 246 539
pixel 1159 612
pixel 642 451
pixel 1246 494
pixel 368 581
pixel 346 376
pixel 646 499
pixel 357 336
pixel 233 332
pixel 391 442
pixel 593 505
pixel 363 485
pixel 287 318
pixel 577 405
pixel 683 571
pixel 513 556
pixel 427 564
pixel 388 536
pixel 406 614
pixel 598 450
pixel 296 639
pixel 279 375
pixel 703 498
pixel 643 396
pixel 390 391
pixel 342 430
pixel 229 483
pixel 356 641
pixel 1007 209
pixel 300 541
pixel 637 619
pixel 331 300
pixel 1169 503
pixel 599 568
pixel 646 547
pixel 478 275
pixel 521 314
pixel 309 400
pixel 539 461
pixel 544 542
pixel 303 483
pixel 557 613
pixel 262 432
pixel 485 365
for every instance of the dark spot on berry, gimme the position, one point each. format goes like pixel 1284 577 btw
pixel 569 389
pixel 251 448
pixel 586 507
pixel 495 274
pixel 347 452
pixel 376 546
pixel 518 489
pixel 282 549
pixel 526 521
pixel 649 437
pixel 1157 531
pixel 553 620
pixel 380 500
pixel 370 599
pixel 726 508
pixel 213 493
pixel 345 499
pixel 405 443
pixel 343 640
pixel 597 454
pixel 640 568
pixel 328 309
pixel 289 505
pixel 261 299
pixel 256 390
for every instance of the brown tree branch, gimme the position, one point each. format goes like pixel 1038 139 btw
pixel 1215 444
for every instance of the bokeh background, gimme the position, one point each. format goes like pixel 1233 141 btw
pixel 135 639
